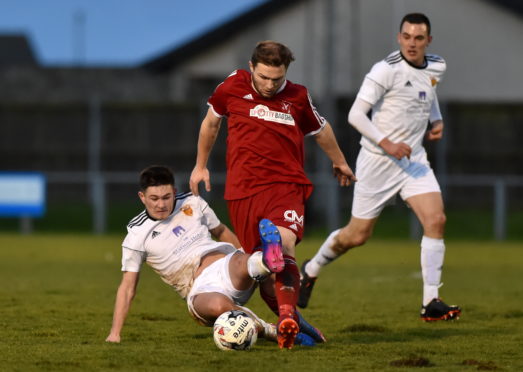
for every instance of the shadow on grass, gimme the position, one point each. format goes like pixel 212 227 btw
pixel 157 317
pixel 513 314
pixel 370 334
pixel 202 336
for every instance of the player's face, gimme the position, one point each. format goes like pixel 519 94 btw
pixel 158 201
pixel 414 39
pixel 266 79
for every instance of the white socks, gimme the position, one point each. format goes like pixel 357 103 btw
pixel 256 268
pixel 324 256
pixel 270 331
pixel 432 256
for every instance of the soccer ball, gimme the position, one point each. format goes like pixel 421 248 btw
pixel 235 330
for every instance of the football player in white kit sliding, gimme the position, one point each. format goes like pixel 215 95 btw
pixel 173 235
pixel 401 91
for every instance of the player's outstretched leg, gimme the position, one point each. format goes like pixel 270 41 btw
pixel 271 246
pixel 439 310
pixel 310 269
pixel 288 327
pixel 286 285
pixel 306 286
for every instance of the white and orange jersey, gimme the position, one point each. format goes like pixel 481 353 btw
pixel 402 96
pixel 173 247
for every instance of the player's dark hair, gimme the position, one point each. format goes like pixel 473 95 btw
pixel 272 53
pixel 416 18
pixel 156 175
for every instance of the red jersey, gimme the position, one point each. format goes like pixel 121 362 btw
pixel 265 135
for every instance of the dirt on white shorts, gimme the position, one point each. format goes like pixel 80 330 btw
pixel 216 278
pixel 382 177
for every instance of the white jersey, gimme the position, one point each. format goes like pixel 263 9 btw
pixel 173 247
pixel 402 96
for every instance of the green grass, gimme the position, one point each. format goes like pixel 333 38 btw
pixel 57 294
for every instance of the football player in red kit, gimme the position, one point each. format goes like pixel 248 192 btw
pixel 267 120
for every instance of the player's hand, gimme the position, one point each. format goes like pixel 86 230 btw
pixel 113 338
pixel 397 150
pixel 344 174
pixel 198 175
pixel 436 132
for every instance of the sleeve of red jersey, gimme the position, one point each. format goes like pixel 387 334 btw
pixel 218 100
pixel 313 122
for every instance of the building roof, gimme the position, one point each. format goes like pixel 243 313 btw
pixel 514 5
pixel 171 59
pixel 16 50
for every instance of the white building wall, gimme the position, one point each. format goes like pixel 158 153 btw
pixel 481 42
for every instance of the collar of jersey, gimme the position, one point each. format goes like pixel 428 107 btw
pixel 154 219
pixel 277 92
pixel 425 64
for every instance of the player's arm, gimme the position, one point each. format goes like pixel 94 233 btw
pixel 358 119
pixel 435 132
pixel 327 142
pixel 224 234
pixel 124 297
pixel 208 132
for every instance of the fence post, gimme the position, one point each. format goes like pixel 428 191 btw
pixel 500 210
pixel 329 108
pixel 26 225
pixel 96 179
pixel 97 182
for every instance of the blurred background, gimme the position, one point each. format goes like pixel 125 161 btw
pixel 94 91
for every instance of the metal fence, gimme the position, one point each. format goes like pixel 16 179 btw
pixel 98 182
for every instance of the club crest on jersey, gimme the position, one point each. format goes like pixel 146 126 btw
pixel 292 217
pixel 433 81
pixel 178 230
pixel 263 112
pixel 187 210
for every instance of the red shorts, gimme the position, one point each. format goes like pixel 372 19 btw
pixel 282 203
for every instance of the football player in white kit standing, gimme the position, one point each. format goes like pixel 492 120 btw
pixel 401 91
pixel 173 236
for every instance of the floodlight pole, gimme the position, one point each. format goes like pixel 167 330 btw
pixel 500 210
pixel 332 193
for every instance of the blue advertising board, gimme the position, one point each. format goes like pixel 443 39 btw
pixel 22 194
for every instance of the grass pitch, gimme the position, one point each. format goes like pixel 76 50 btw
pixel 57 295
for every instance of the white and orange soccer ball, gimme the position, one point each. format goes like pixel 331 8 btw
pixel 235 330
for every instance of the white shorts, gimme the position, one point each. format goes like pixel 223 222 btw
pixel 216 278
pixel 382 177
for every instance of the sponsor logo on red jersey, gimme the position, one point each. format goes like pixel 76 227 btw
pixel 292 216
pixel 263 112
